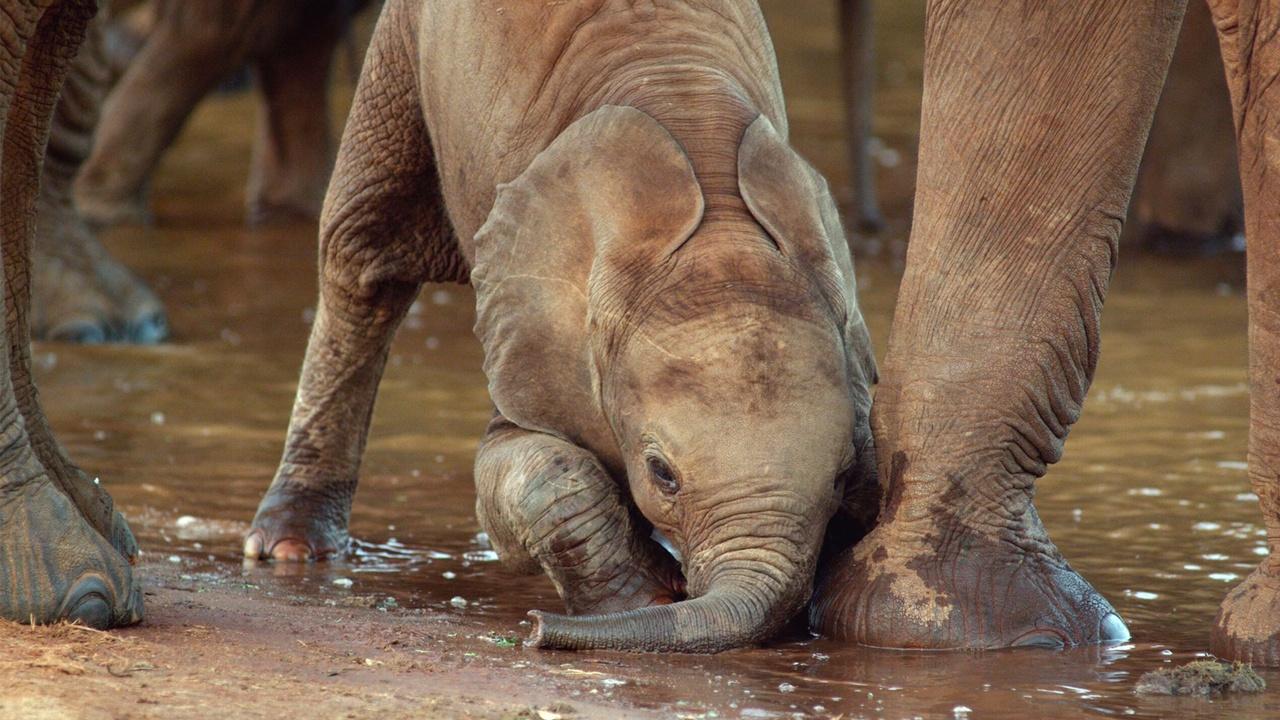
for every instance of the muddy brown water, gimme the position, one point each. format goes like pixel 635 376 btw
pixel 1151 503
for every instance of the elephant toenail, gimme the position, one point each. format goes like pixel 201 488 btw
pixel 150 329
pixel 253 546
pixel 89 604
pixel 1112 629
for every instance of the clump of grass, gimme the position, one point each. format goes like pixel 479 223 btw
pixel 1201 677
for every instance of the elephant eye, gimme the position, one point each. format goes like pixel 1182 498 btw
pixel 663 476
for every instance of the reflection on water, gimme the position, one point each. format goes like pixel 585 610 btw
pixel 1151 503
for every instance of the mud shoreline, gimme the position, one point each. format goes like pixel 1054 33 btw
pixel 215 643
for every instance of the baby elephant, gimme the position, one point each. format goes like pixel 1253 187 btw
pixel 664 295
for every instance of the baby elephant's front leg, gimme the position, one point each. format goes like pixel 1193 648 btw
pixel 549 504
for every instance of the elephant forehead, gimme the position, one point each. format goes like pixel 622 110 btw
pixel 752 360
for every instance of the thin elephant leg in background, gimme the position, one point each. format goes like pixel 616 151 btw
pixel 1187 199
pixel 857 57
pixel 383 234
pixel 1248 623
pixel 53 563
pixel 1034 117
pixel 293 150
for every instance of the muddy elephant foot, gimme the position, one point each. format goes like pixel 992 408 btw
pixel 295 523
pixel 1248 624
pixel 958 589
pixel 54 566
pixel 81 294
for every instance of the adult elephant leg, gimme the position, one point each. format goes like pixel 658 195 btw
pixel 383 233
pixel 54 564
pixel 194 45
pixel 857 54
pixel 1248 623
pixel 80 292
pixel 1033 121
pixel 1188 195
pixel 292 153
pixel 550 505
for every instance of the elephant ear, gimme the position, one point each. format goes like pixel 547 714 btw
pixel 614 179
pixel 792 202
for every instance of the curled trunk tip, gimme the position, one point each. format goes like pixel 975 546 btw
pixel 537 636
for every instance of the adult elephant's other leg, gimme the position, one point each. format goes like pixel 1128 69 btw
pixel 293 151
pixel 80 292
pixel 1248 623
pixel 1188 198
pixel 1034 117
pixel 54 564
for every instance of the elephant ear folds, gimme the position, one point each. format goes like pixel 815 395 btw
pixel 613 179
pixel 794 205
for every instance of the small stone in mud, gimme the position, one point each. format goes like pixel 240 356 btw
pixel 458 601
pixel 1201 677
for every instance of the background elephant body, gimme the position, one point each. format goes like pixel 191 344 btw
pixel 171 54
pixel 664 295
pixel 189 47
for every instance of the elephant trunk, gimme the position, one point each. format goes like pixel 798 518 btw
pixel 740 608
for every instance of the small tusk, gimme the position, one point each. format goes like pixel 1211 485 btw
pixel 666 545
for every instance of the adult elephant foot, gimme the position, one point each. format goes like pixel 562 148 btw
pixel 80 293
pixel 298 522
pixel 1248 624
pixel 938 585
pixel 55 566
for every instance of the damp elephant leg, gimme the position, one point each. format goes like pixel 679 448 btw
pixel 1188 200
pixel 1033 122
pixel 550 505
pixel 383 233
pixel 292 152
pixel 79 292
pixel 56 561
pixel 193 46
pixel 1248 623
pixel 857 55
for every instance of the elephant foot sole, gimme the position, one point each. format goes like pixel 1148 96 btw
pixel 1247 628
pixel 965 592
pixel 55 567
pixel 298 524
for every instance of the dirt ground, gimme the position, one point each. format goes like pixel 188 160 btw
pixel 219 645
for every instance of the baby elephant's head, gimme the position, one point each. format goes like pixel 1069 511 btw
pixel 721 365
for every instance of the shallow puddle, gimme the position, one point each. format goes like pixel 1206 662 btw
pixel 1151 503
